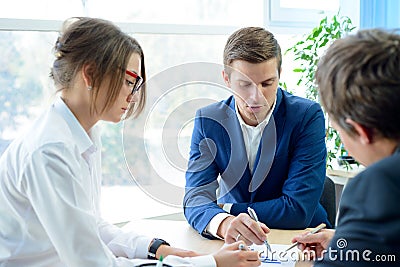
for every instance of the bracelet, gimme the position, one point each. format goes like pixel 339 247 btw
pixel 155 244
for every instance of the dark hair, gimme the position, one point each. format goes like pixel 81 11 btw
pixel 252 44
pixel 358 78
pixel 102 45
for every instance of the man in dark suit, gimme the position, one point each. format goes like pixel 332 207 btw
pixel 359 84
pixel 261 148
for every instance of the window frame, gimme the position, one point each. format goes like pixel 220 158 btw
pixel 295 19
pixel 7 24
pixel 290 25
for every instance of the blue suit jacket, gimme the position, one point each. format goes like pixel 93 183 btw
pixel 289 170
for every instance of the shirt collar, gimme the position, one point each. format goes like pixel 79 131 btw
pixel 82 139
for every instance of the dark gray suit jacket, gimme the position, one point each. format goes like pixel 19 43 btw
pixel 369 218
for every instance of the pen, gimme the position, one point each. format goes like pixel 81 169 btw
pixel 315 230
pixel 159 263
pixel 253 215
pixel 242 247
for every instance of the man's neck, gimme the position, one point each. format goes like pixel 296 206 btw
pixel 381 149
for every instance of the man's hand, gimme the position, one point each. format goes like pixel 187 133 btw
pixel 242 227
pixel 316 242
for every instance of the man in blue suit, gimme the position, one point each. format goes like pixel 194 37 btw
pixel 261 148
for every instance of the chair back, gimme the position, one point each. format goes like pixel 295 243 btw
pixel 328 200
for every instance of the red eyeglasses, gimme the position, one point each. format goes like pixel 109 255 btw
pixel 138 81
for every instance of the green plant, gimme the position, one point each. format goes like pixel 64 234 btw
pixel 307 53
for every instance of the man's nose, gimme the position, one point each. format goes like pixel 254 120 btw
pixel 256 92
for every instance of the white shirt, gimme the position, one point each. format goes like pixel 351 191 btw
pixel 50 181
pixel 251 137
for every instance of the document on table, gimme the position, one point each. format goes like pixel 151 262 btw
pixel 278 257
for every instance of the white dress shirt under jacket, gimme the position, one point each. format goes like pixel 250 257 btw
pixel 50 181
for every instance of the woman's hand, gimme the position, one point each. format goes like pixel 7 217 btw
pixel 231 256
pixel 317 242
pixel 165 250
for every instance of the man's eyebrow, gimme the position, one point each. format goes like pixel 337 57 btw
pixel 243 80
pixel 270 79
pixel 249 80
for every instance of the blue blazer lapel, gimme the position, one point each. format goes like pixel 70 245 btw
pixel 235 152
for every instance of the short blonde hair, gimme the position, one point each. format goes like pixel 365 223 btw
pixel 254 45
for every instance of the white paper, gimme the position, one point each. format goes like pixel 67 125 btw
pixel 278 257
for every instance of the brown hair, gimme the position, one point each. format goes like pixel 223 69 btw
pixel 358 78
pixel 252 44
pixel 102 45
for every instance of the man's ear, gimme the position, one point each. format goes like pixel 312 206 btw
pixel 87 74
pixel 225 76
pixel 365 134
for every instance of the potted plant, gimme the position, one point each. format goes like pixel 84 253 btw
pixel 307 53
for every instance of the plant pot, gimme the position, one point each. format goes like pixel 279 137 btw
pixel 345 160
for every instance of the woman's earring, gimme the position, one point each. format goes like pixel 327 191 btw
pixel 89 88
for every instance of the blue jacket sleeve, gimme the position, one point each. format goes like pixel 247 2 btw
pixel 201 180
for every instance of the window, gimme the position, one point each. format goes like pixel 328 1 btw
pixel 143 147
pixel 199 12
pixel 42 9
pixel 24 68
pixel 306 13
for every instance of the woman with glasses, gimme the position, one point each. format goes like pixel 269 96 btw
pixel 50 177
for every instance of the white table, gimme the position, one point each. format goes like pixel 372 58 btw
pixel 180 234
